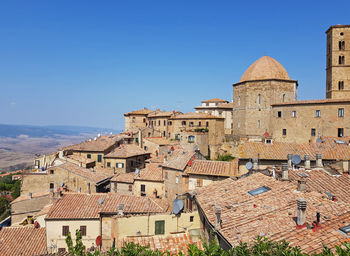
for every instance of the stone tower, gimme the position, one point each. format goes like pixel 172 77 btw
pixel 265 82
pixel 338 62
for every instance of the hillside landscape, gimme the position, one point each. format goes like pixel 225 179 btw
pixel 19 144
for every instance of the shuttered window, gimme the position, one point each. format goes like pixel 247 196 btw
pixel 159 228
pixel 65 230
pixel 83 230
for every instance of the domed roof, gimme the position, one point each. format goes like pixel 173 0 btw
pixel 265 68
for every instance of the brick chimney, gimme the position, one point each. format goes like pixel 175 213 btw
pixel 301 213
pixel 319 161
pixel 284 171
pixel 289 156
pixel 217 210
pixel 307 162
pixel 255 164
pixel 120 209
pixel 301 185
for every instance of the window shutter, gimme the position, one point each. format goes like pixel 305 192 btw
pixel 65 230
pixel 83 230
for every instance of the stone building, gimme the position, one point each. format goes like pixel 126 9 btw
pixel 218 107
pixel 137 118
pixel 338 62
pixel 264 83
pixel 159 121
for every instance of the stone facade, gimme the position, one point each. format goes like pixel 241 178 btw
pixel 305 121
pixel 338 62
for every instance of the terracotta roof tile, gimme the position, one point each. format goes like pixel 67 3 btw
pixel 214 168
pixel 152 172
pixel 329 149
pixel 161 141
pixel 193 115
pixel 214 100
pixel 270 214
pixel 126 151
pixel 85 206
pixel 80 159
pixel 179 158
pixel 34 195
pixel 163 113
pixel 139 112
pixel 26 241
pixel 101 144
pixel 173 243
pixel 124 177
pixel 90 174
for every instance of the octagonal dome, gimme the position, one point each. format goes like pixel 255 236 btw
pixel 265 68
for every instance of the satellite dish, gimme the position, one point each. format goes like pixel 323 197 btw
pixel 296 159
pixel 178 205
pixel 137 171
pixel 319 140
pixel 249 165
pixel 195 148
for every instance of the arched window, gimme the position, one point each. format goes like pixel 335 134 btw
pixel 341 60
pixel 341 45
pixel 341 85
pixel 283 98
pixel 259 99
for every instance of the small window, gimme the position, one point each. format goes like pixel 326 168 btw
pixel 164 123
pixel 130 188
pixel 340 112
pixel 259 99
pixel 159 227
pixel 294 113
pixel 120 165
pixel 341 60
pixel 318 113
pixel 143 190
pixel 340 132
pixel 88 156
pixel 144 120
pixel 259 123
pixel 268 141
pixel 284 132
pixel 341 33
pixel 207 124
pixel 83 230
pixel 52 186
pixel 170 123
pixel 108 164
pixel 199 124
pixel 341 85
pixel 283 98
pixel 165 175
pixel 52 171
pixel 345 229
pixel 258 191
pixel 313 132
pixel 65 230
pixel 199 183
pixel 158 122
pixel 191 218
pixel 183 122
pixel 191 138
pixel 279 114
pixel 99 158
pixel 341 45
pixel 177 179
pixel 191 124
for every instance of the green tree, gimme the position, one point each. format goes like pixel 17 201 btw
pixel 225 157
pixel 79 248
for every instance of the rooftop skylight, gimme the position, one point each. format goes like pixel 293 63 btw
pixel 345 229
pixel 258 191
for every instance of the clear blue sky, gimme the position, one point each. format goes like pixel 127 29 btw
pixel 88 62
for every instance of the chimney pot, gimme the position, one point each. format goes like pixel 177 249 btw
pixel 289 156
pixel 301 212
pixel 301 185
pixel 284 171
pixel 217 210
pixel 307 162
pixel 319 161
pixel 255 164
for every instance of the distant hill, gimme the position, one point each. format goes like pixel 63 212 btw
pixel 52 131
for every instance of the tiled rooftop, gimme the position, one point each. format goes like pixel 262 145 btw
pixel 152 172
pixel 163 113
pixel 27 197
pixel 329 149
pixel 126 151
pixel 144 111
pixel 193 115
pixel 94 176
pixel 86 206
pixel 25 241
pixel 179 158
pixel 270 214
pixel 173 243
pixel 101 144
pixel 304 102
pixel 213 168
pixel 214 100
pixel 124 177
pixel 80 159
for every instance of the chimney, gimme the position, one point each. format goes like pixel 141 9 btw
pixel 217 210
pixel 60 154
pixel 255 164
pixel 307 162
pixel 120 209
pixel 301 214
pixel 301 185
pixel 319 161
pixel 284 171
pixel 289 156
pixel 165 159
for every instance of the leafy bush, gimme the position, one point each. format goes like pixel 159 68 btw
pixel 225 157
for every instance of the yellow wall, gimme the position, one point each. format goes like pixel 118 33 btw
pixel 54 232
pixel 150 186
